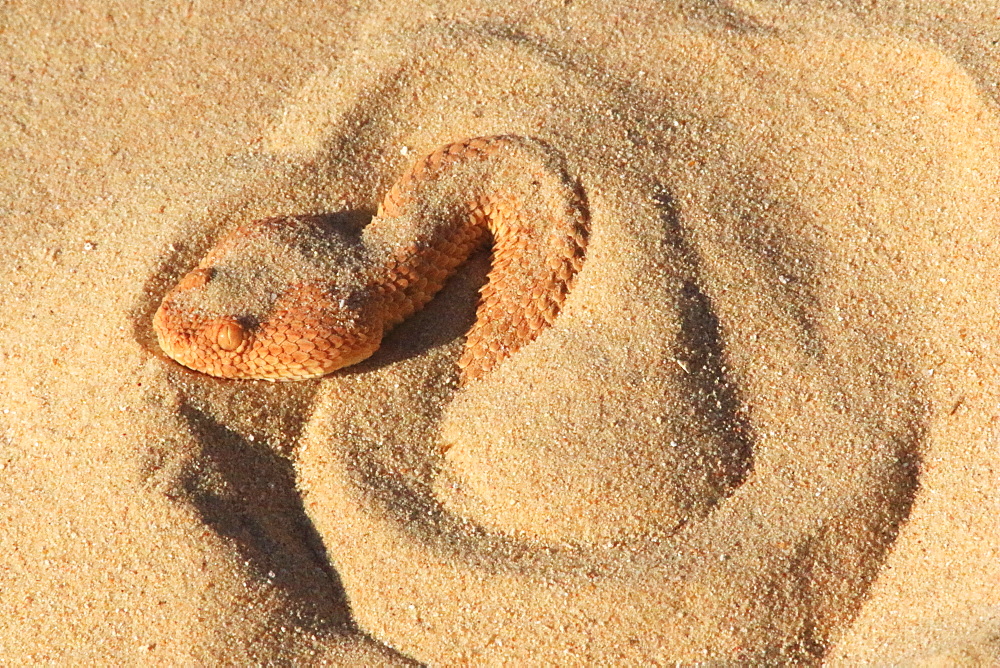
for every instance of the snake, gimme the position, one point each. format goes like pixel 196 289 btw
pixel 301 296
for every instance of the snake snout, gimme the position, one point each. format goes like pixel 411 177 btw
pixel 196 278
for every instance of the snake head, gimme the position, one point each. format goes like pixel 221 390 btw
pixel 310 332
pixel 255 308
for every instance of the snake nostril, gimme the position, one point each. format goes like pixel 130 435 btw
pixel 230 335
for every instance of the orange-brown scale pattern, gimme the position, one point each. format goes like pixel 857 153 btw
pixel 521 197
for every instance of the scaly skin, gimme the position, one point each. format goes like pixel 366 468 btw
pixel 449 203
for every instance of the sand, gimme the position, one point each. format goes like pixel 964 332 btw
pixel 763 430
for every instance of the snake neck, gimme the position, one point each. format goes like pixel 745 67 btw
pixel 511 191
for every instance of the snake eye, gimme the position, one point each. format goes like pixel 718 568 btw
pixel 229 335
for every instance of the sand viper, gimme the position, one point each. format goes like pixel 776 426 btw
pixel 298 297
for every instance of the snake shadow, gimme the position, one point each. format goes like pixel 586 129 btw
pixel 246 494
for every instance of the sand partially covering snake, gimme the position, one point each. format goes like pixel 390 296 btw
pixel 328 300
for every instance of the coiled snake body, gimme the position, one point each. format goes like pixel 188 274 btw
pixel 292 298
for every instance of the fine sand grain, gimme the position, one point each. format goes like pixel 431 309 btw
pixel 762 430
